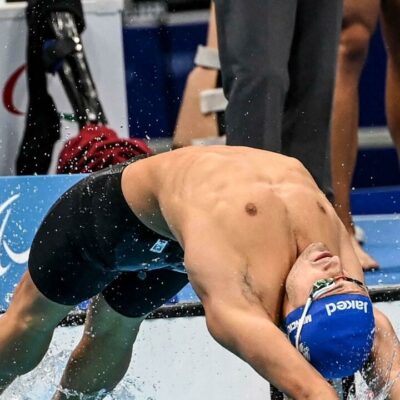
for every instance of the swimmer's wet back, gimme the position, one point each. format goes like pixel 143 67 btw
pixel 92 242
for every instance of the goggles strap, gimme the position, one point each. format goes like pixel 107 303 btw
pixel 313 295
pixel 301 321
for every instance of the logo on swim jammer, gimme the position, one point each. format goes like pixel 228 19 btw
pixel 345 305
pixel 159 246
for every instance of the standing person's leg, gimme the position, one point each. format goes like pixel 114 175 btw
pixel 254 40
pixel 359 23
pixel 191 123
pixel 26 330
pixel 306 128
pixel 391 30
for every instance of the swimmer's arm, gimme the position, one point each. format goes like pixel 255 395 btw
pixel 244 328
pixel 256 340
pixel 384 364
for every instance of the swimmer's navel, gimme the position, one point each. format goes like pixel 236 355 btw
pixel 251 209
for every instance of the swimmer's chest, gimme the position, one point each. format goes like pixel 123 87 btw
pixel 273 221
pixel 313 220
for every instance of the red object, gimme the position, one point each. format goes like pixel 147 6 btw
pixel 8 91
pixel 97 147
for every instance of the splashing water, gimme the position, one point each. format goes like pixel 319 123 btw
pixel 363 392
pixel 122 392
pixel 42 382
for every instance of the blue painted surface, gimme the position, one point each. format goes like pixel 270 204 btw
pixel 383 243
pixel 376 167
pixel 145 71
pixel 372 84
pixel 381 200
pixel 24 201
pixel 157 61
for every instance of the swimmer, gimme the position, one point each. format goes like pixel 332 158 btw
pixel 262 247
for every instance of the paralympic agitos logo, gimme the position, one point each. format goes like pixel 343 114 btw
pixel 8 91
pixel 6 252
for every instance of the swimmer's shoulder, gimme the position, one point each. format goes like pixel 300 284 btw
pixel 199 158
pixel 178 160
pixel 161 170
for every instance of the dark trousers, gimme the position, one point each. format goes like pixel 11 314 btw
pixel 278 60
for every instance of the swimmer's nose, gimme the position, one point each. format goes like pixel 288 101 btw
pixel 334 265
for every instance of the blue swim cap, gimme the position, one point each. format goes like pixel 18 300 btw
pixel 337 334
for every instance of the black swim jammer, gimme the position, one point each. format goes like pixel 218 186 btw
pixel 91 242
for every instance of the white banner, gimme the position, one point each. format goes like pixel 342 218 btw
pixel 104 50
